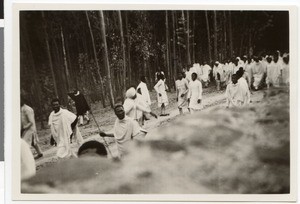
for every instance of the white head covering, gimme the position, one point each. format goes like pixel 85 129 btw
pixel 130 92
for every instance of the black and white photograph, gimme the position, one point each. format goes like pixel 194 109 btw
pixel 166 102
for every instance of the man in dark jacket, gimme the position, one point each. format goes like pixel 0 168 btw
pixel 81 105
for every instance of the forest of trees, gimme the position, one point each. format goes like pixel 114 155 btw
pixel 103 52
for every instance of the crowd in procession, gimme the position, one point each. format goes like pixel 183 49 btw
pixel 239 76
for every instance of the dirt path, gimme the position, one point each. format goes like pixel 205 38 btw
pixel 105 118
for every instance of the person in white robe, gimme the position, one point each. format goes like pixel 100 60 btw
pixel 205 76
pixel 218 73
pixel 135 106
pixel 195 94
pixel 244 85
pixel 181 92
pixel 63 125
pixel 248 72
pixel 273 72
pixel 234 93
pixel 285 71
pixel 28 128
pixel 162 97
pixel 241 63
pixel 143 90
pixel 27 161
pixel 257 72
pixel 125 131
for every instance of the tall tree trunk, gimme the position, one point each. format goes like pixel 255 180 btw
pixel 123 52
pixel 106 61
pixel 215 37
pixel 37 85
pixel 188 55
pixel 193 42
pixel 49 54
pixel 128 49
pixel 167 46
pixel 174 44
pixel 225 35
pixel 66 70
pixel 230 34
pixel 180 61
pixel 96 60
pixel 208 37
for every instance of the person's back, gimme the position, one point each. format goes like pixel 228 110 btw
pixel 130 108
pixel 142 87
pixel 26 113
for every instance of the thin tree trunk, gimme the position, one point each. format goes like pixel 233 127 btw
pixel 66 70
pixel 49 54
pixel 188 55
pixel 194 60
pixel 208 37
pixel 230 34
pixel 225 35
pixel 167 46
pixel 128 49
pixel 96 60
pixel 123 51
pixel 174 44
pixel 180 61
pixel 106 61
pixel 215 37
pixel 37 86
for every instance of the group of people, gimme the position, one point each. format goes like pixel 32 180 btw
pixel 240 76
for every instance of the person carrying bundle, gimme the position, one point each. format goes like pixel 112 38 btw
pixel 82 106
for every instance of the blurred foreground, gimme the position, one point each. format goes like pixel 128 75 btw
pixel 214 151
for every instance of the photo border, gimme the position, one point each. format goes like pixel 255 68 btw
pixel 15 87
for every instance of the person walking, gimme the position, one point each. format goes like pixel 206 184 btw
pixel 195 94
pixel 82 106
pixel 28 128
pixel 63 125
pixel 162 97
pixel 181 92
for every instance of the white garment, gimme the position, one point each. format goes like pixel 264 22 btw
pixel 219 70
pixel 234 95
pixel 27 117
pixel 273 73
pixel 144 92
pixel 124 131
pixel 188 74
pixel 264 65
pixel 206 71
pixel 182 88
pixel 248 73
pixel 27 161
pixel 160 88
pixel 258 73
pixel 142 107
pixel 60 125
pixel 285 73
pixel 195 93
pixel 134 108
pixel 245 90
pixel 241 63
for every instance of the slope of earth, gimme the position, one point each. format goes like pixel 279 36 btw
pixel 214 151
